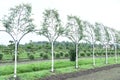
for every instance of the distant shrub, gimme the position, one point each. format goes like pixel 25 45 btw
pixel 57 55
pixel 82 54
pixel 28 53
pixel 66 55
pixel 98 53
pixel 31 57
pixel 72 53
pixel 88 54
pixel 41 54
pixel 1 56
pixel 45 56
pixel 84 51
pixel 112 53
pixel 61 53
pixel 119 53
pixel 103 53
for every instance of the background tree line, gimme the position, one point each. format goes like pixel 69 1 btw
pixel 39 50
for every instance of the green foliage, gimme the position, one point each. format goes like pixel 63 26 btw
pixel 97 31
pixel 57 55
pixel 41 54
pixel 1 56
pixel 45 56
pixel 112 52
pixel 74 30
pixel 66 55
pixel 82 54
pixel 72 53
pixel 23 55
pixel 88 54
pixel 5 70
pixel 28 53
pixel 14 18
pixel 61 53
pixel 7 57
pixel 31 57
pixel 51 16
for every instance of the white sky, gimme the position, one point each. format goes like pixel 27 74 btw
pixel 103 11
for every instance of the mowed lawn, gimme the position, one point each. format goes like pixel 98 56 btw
pixel 39 69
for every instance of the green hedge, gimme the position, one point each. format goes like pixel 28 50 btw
pixel 1 56
pixel 72 53
pixel 31 57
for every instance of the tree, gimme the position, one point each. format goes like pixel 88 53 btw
pixel 74 32
pixel 51 29
pixel 97 32
pixel 104 38
pixel 90 36
pixel 18 23
pixel 107 41
pixel 98 36
pixel 115 39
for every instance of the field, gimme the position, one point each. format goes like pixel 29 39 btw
pixel 70 46
pixel 34 60
pixel 41 69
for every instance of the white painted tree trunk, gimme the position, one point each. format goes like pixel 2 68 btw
pixel 93 55
pixel 106 56
pixel 115 53
pixel 15 61
pixel 76 56
pixel 52 65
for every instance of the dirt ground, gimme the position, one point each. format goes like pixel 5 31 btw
pixel 112 74
pixel 104 73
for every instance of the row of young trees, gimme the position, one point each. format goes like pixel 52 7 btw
pixel 18 23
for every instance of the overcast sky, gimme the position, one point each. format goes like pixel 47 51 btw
pixel 106 12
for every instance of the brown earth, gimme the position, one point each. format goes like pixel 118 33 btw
pixel 111 72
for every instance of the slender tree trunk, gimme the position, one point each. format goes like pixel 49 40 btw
pixel 93 55
pixel 115 53
pixel 52 66
pixel 76 55
pixel 106 56
pixel 15 61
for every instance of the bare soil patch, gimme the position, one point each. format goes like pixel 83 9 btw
pixel 111 72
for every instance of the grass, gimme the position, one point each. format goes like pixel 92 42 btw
pixel 37 70
pixel 7 57
pixel 22 68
